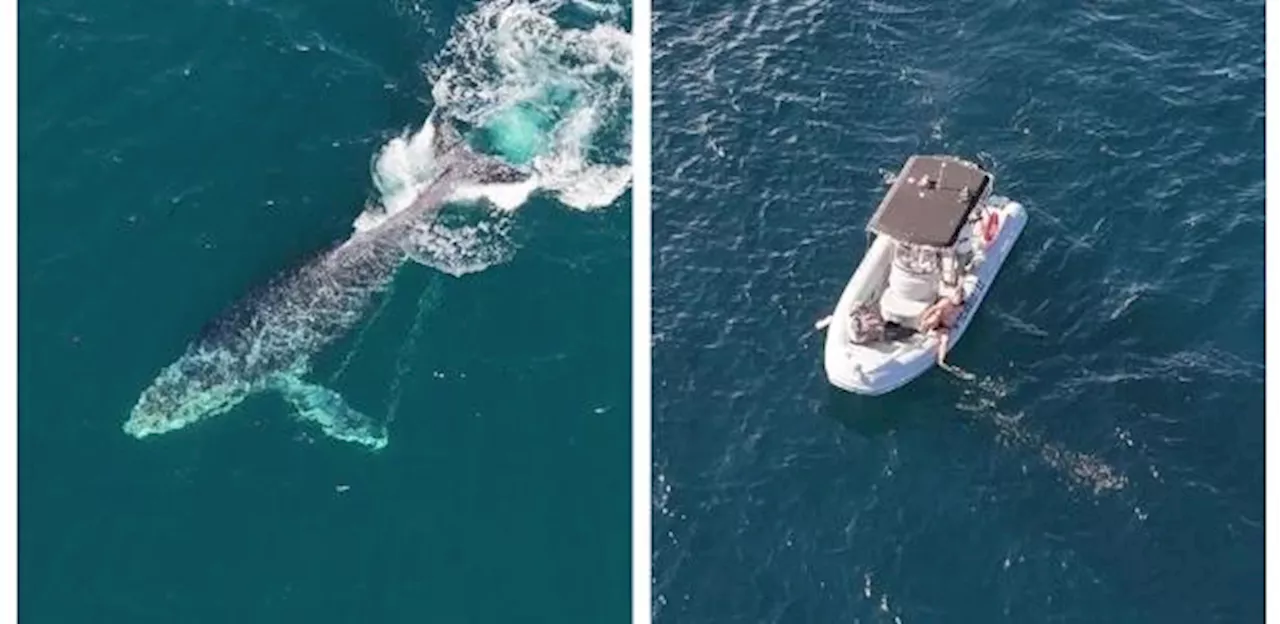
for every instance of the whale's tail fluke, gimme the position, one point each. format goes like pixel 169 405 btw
pixel 449 145
pixel 444 136
pixel 490 170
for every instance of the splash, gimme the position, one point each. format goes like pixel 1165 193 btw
pixel 541 83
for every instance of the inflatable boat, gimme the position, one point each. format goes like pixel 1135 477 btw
pixel 938 232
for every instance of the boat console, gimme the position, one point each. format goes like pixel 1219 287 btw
pixel 914 278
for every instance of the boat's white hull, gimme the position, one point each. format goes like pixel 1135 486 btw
pixel 876 370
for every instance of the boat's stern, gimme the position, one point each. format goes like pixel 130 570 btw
pixel 873 371
pixel 846 374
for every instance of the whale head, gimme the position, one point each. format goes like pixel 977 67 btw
pixel 191 389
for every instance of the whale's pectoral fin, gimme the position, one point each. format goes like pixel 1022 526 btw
pixel 327 408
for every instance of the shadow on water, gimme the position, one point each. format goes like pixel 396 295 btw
pixel 867 416
pixel 875 416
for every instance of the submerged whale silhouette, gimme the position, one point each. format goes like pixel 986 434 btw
pixel 265 341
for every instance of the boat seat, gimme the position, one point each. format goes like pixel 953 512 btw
pixel 898 309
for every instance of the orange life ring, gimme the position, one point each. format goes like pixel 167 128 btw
pixel 991 227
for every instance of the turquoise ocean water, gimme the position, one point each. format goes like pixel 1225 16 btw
pixel 175 156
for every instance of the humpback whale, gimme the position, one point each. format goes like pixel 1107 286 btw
pixel 265 341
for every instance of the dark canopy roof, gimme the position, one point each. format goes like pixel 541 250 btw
pixel 930 200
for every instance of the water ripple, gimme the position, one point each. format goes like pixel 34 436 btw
pixel 1108 356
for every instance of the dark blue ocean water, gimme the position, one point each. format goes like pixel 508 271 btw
pixel 175 156
pixel 1106 464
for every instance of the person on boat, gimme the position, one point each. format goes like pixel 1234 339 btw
pixel 940 317
pixel 866 325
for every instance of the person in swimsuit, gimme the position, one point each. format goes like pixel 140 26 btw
pixel 940 317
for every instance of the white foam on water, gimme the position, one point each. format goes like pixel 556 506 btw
pixel 599 8
pixel 460 249
pixel 507 54
pixel 403 166
pixel 580 183
pixel 504 197
pixel 401 170
pixel 1079 469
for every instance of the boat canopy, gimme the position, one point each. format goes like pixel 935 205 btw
pixel 930 200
